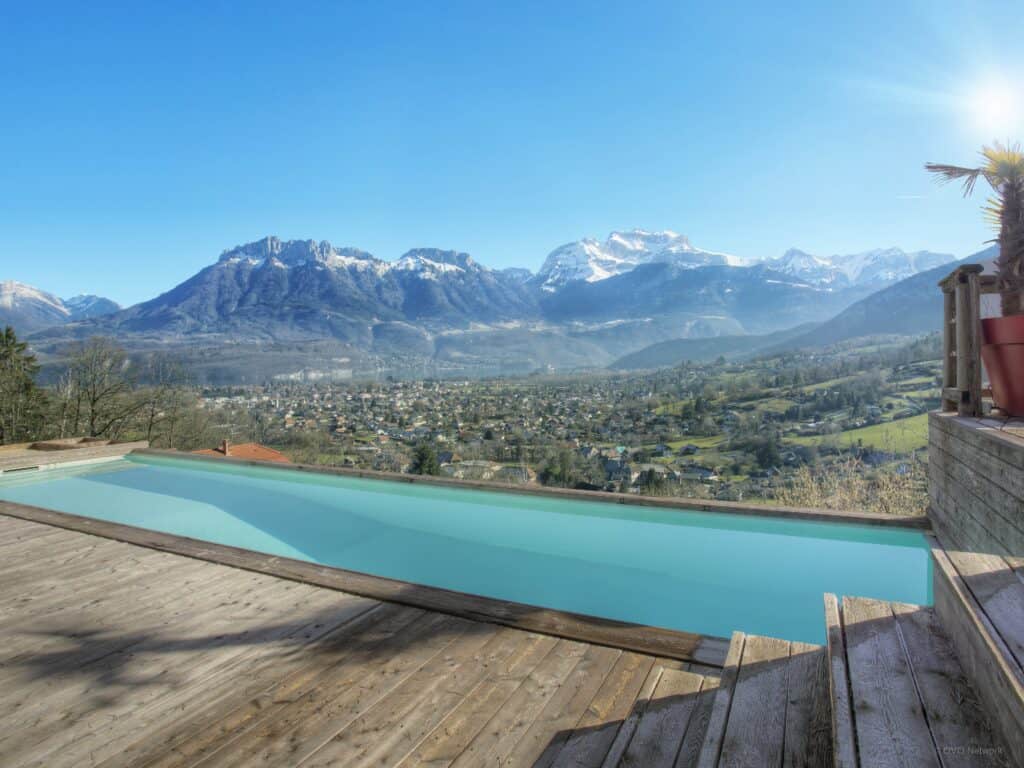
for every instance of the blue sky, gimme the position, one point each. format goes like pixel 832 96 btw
pixel 137 141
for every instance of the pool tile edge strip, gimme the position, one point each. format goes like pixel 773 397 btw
pixel 656 641
pixel 916 522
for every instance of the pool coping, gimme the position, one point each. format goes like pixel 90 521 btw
pixel 915 522
pixel 708 650
pixel 27 459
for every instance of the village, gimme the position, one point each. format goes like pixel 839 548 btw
pixel 730 430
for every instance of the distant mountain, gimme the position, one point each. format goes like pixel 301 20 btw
pixel 29 309
pixel 302 289
pixel 802 265
pixel 590 261
pixel 673 352
pixel 911 306
pixel 517 274
pixel 876 268
pixel 753 299
pixel 84 306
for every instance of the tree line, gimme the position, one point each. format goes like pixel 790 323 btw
pixel 101 392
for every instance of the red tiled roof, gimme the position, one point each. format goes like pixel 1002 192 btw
pixel 253 451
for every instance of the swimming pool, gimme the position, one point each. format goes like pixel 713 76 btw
pixel 703 572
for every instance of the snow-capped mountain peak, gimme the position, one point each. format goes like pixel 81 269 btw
pixel 286 254
pixel 27 308
pixel 14 294
pixel 880 266
pixel 796 259
pixel 590 260
pixel 273 251
pixel 429 263
pixel 85 306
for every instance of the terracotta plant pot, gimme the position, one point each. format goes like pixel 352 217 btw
pixel 1003 355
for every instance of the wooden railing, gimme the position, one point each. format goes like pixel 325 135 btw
pixel 961 338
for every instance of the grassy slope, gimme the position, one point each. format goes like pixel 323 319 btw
pixel 901 436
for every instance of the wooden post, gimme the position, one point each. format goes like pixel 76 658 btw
pixel 968 341
pixel 948 349
pixel 973 322
pixel 963 351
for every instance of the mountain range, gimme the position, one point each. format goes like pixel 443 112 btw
pixel 875 269
pixel 591 261
pixel 440 311
pixel 910 307
pixel 29 309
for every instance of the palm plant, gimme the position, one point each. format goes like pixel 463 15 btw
pixel 1003 169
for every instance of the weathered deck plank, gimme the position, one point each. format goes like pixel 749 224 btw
pixel 548 732
pixel 808 739
pixel 662 728
pixel 463 723
pixel 960 731
pixel 711 749
pixel 1000 593
pixel 591 739
pixel 912 703
pixel 891 727
pixel 402 718
pixel 844 746
pixel 757 720
pixel 63 715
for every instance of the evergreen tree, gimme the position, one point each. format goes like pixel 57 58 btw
pixel 424 460
pixel 20 400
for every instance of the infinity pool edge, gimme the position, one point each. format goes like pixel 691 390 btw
pixel 912 522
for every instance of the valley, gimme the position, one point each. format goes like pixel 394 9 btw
pixel 776 429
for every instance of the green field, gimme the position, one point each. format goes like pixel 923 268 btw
pixel 774 405
pixel 830 384
pixel 701 442
pixel 923 380
pixel 902 436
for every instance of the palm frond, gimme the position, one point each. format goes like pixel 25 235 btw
pixel 993 211
pixel 948 173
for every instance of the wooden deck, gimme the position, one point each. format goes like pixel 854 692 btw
pixel 772 706
pixel 900 695
pixel 114 654
pixel 979 599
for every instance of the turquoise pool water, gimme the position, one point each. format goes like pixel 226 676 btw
pixel 695 571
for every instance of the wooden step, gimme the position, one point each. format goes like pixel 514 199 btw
pixel 979 598
pixel 899 694
pixel 771 707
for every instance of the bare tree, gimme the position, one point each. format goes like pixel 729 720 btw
pixel 96 391
pixel 163 398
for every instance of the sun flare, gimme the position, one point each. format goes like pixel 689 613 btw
pixel 996 108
